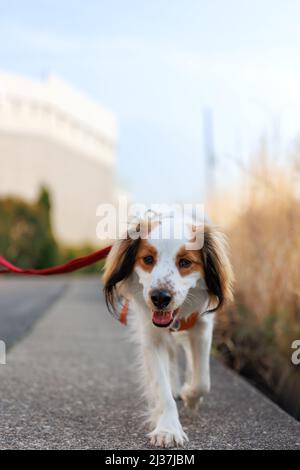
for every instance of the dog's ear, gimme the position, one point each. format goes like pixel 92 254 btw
pixel 118 267
pixel 217 267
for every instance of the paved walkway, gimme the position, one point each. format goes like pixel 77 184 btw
pixel 70 384
pixel 23 300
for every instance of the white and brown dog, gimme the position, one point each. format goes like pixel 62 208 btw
pixel 170 288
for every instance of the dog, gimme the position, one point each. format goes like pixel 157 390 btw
pixel 172 291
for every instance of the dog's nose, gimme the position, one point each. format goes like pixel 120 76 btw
pixel 160 298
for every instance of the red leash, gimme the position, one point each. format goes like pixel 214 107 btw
pixel 69 267
pixel 82 262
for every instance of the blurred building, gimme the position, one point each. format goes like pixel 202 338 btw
pixel 52 135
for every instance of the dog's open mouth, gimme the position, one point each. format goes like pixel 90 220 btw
pixel 163 318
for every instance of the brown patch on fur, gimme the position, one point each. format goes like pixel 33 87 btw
pixel 196 259
pixel 121 261
pixel 118 267
pixel 146 249
pixel 217 267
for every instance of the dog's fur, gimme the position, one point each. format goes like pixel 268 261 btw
pixel 205 284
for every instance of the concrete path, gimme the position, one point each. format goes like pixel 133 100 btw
pixel 22 301
pixel 70 384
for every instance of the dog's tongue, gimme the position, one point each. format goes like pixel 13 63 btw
pixel 162 317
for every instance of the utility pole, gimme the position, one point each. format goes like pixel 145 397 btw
pixel 209 151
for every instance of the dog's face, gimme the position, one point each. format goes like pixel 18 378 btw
pixel 168 275
pixel 167 271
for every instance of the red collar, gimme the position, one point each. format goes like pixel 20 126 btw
pixel 181 323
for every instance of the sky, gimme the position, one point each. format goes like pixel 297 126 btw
pixel 158 66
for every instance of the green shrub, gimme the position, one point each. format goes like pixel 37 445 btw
pixel 26 237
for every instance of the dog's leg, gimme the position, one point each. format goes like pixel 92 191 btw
pixel 168 430
pixel 183 340
pixel 200 338
pixel 174 371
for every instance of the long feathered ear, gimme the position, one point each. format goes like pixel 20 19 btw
pixel 118 267
pixel 217 267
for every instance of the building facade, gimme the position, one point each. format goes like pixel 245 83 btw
pixel 52 135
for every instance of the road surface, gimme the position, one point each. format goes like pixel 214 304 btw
pixel 70 384
pixel 23 301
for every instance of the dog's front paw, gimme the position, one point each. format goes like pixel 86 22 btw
pixel 172 438
pixel 168 433
pixel 192 396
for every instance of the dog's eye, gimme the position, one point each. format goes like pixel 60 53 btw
pixel 184 263
pixel 148 259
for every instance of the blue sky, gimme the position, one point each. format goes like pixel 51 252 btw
pixel 158 65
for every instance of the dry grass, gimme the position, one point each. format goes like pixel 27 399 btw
pixel 255 334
